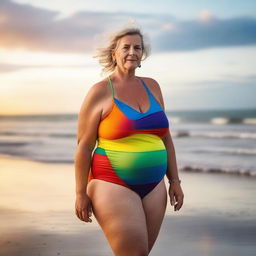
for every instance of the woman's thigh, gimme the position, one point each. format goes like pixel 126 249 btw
pixel 154 205
pixel 119 212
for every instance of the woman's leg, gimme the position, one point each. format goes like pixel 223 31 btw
pixel 119 212
pixel 154 204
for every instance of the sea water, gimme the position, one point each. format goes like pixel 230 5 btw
pixel 222 141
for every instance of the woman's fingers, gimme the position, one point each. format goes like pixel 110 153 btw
pixel 179 202
pixel 84 215
pixel 83 208
pixel 77 212
pixel 176 196
pixel 89 213
pixel 172 198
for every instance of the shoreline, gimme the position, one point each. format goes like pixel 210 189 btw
pixel 184 168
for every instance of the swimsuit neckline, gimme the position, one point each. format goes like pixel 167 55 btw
pixel 133 109
pixel 142 113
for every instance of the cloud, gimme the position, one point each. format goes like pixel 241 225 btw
pixel 207 32
pixel 206 15
pixel 7 67
pixel 37 29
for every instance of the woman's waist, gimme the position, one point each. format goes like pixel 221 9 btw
pixel 151 161
pixel 133 143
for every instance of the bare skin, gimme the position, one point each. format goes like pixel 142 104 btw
pixel 130 224
pixel 137 222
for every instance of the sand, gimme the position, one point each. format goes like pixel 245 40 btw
pixel 37 215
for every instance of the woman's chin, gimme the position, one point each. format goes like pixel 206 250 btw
pixel 131 66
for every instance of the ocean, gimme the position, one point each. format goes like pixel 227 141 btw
pixel 219 141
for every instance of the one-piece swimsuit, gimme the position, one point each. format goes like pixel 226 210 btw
pixel 130 150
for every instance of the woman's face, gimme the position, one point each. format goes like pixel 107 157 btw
pixel 129 52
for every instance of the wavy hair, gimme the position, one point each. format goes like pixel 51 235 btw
pixel 105 53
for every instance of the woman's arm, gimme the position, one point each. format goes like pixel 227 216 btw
pixel 88 121
pixel 172 170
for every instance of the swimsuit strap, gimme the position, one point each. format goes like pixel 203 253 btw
pixel 111 86
pixel 145 86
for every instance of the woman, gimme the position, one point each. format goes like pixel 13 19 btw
pixel 122 181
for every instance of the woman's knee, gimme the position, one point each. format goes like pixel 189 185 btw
pixel 137 253
pixel 131 248
pixel 126 247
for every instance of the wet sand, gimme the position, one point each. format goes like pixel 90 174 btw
pixel 37 215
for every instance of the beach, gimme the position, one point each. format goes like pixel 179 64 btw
pixel 37 214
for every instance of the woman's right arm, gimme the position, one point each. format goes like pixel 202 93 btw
pixel 88 121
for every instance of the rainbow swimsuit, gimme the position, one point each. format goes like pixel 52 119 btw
pixel 130 151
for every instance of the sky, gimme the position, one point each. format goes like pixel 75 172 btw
pixel 203 53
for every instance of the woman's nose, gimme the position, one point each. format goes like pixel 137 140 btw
pixel 131 51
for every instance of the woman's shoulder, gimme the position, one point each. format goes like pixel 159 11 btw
pixel 99 88
pixel 155 89
pixel 152 84
pixel 96 94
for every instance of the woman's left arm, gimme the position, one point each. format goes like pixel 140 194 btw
pixel 175 190
pixel 172 170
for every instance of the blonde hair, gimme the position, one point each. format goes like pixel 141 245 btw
pixel 105 53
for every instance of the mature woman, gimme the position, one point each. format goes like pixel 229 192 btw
pixel 122 181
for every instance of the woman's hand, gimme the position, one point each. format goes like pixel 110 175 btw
pixel 176 195
pixel 83 207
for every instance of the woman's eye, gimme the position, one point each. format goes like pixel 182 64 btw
pixel 137 48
